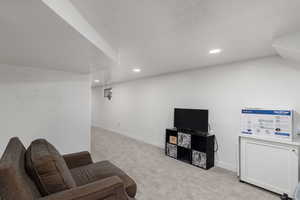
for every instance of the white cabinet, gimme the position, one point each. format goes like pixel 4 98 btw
pixel 269 164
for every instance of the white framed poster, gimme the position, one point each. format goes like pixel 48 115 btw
pixel 267 123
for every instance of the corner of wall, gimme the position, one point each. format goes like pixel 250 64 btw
pixel 225 165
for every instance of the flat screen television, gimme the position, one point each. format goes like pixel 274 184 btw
pixel 191 119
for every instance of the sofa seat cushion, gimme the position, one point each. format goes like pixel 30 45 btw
pixel 47 168
pixel 93 172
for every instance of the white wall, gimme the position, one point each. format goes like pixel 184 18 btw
pixel 47 104
pixel 142 109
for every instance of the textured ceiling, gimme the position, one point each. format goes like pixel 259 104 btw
pixel 33 35
pixel 174 35
pixel 158 36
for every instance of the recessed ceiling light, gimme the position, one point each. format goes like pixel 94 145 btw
pixel 96 81
pixel 136 70
pixel 215 51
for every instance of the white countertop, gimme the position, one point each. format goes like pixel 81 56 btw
pixel 295 142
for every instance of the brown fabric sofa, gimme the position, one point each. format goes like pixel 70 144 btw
pixel 93 181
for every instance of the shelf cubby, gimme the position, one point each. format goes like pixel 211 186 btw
pixel 190 147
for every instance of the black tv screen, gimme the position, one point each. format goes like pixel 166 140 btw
pixel 194 119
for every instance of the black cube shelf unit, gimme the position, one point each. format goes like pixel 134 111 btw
pixel 190 147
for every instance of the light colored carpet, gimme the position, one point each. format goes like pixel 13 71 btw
pixel 162 178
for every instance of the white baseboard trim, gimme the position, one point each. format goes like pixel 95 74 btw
pixel 126 135
pixel 219 163
pixel 225 165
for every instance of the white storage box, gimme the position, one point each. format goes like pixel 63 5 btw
pixel 275 124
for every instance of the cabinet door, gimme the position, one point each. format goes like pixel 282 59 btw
pixel 273 166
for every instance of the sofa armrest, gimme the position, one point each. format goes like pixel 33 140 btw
pixel 111 188
pixel 79 159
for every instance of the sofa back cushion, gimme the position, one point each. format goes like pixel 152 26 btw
pixel 48 168
pixel 15 184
